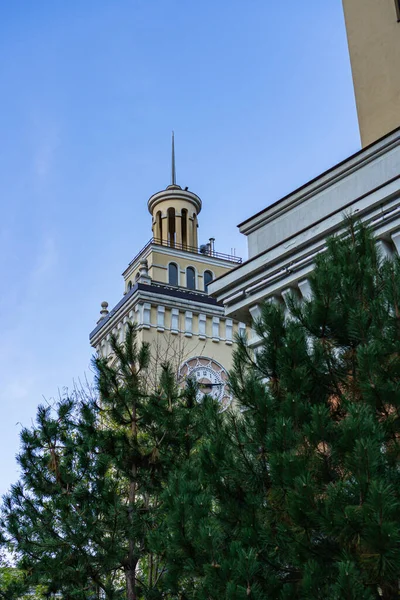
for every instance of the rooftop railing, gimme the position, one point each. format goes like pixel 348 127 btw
pixel 205 250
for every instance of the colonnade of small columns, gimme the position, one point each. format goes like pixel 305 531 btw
pixel 180 322
pixel 176 228
pixel 302 288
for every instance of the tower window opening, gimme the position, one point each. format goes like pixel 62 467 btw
pixel 190 278
pixel 194 231
pixel 158 231
pixel 208 277
pixel 397 2
pixel 184 220
pixel 173 274
pixel 171 227
pixel 129 285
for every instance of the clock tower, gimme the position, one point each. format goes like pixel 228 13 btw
pixel 166 295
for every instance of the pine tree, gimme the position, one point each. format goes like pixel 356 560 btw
pixel 296 494
pixel 84 515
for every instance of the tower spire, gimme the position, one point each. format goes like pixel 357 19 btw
pixel 173 171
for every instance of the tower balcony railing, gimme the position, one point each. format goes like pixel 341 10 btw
pixel 205 250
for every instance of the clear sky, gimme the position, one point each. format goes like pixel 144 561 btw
pixel 259 94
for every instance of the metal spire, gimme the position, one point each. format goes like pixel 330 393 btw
pixel 173 171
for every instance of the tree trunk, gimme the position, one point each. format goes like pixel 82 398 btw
pixel 130 575
pixel 130 571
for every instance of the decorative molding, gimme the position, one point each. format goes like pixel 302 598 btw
pixel 384 249
pixel 229 331
pixel 396 240
pixel 202 326
pixel 175 320
pixel 305 289
pixel 188 323
pixel 215 329
pixel 146 315
pixel 160 318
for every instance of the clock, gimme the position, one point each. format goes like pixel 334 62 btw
pixel 211 379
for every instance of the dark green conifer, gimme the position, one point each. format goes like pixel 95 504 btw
pixel 296 494
pixel 82 518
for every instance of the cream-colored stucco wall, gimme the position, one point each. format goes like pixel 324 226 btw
pixel 177 348
pixel 158 262
pixel 181 343
pixel 373 34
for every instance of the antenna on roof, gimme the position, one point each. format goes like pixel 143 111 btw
pixel 173 171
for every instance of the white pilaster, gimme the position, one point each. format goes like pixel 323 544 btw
pixel 396 240
pixel 202 326
pixel 384 249
pixel 188 323
pixel 286 294
pixel 146 315
pixel 175 320
pixel 139 315
pixel 228 331
pixel 305 289
pixel 160 318
pixel 215 329
pixel 255 311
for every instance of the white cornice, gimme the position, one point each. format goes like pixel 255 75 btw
pixel 319 184
pixel 155 299
pixel 287 263
pixel 174 192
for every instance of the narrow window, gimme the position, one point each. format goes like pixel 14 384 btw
pixel 129 285
pixel 171 227
pixel 172 274
pixel 158 235
pixel 184 220
pixel 190 278
pixel 207 279
pixel 398 9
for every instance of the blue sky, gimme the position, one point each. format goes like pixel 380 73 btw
pixel 259 94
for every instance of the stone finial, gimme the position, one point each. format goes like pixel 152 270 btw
pixel 144 272
pixel 104 311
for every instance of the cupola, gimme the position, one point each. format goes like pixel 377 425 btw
pixel 174 214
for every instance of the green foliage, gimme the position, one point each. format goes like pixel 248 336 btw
pixel 82 517
pixel 296 494
pixel 13 586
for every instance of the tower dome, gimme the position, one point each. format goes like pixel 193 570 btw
pixel 174 214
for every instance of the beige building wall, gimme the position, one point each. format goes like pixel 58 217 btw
pixel 177 348
pixel 373 33
pixel 178 334
pixel 159 259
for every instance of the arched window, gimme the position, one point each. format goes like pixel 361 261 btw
pixel 190 278
pixel 137 276
pixel 129 285
pixel 158 231
pixel 171 227
pixel 184 221
pixel 173 274
pixel 208 277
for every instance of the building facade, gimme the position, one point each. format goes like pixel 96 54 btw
pixel 166 295
pixel 284 239
pixel 373 33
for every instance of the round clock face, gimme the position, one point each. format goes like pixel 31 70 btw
pixel 211 378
